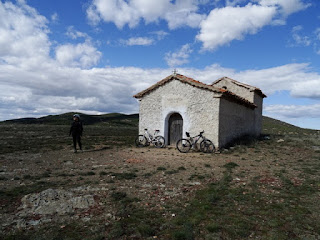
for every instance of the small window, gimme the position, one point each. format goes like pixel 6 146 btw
pixel 224 87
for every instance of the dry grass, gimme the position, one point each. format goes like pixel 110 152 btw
pixel 266 189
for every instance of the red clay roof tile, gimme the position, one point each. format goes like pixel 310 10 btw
pixel 225 93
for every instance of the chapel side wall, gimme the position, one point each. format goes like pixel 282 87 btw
pixel 258 100
pixel 198 107
pixel 235 121
pixel 251 96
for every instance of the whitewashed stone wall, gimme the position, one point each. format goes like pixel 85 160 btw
pixel 199 109
pixel 235 121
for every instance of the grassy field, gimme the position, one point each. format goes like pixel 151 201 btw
pixel 52 132
pixel 262 189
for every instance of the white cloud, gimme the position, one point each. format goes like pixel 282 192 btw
pixel 286 7
pixel 298 39
pixel 220 27
pixel 145 41
pixel 180 15
pixel 23 34
pixel 141 41
pixel 294 111
pixel 60 89
pixel 80 55
pixel 74 34
pixel 297 78
pixel 179 57
pixel 234 3
pixel 53 89
pixel 160 34
pixel 131 12
pixel 317 33
pixel 55 17
pixel 234 22
pixel 216 29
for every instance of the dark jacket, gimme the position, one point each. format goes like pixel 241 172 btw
pixel 76 128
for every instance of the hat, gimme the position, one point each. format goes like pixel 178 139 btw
pixel 77 116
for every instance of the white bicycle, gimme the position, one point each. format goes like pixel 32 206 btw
pixel 146 139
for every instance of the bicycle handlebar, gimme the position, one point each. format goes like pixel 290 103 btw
pixel 188 134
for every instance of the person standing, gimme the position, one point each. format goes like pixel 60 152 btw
pixel 76 130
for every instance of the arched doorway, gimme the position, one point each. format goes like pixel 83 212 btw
pixel 175 124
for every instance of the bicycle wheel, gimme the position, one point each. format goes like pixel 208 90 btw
pixel 141 141
pixel 207 146
pixel 159 142
pixel 183 145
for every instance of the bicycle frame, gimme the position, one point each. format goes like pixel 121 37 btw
pixel 151 138
pixel 194 140
pixel 146 139
pixel 196 143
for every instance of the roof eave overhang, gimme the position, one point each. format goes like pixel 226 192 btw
pixel 235 98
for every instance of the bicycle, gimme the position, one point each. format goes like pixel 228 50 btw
pixel 146 139
pixel 198 142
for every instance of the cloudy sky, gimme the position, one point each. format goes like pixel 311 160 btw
pixel 91 56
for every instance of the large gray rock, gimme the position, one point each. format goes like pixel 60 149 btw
pixel 54 201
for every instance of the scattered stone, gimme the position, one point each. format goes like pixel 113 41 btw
pixel 170 194
pixel 194 183
pixel 86 219
pixel 316 148
pixel 280 140
pixel 68 163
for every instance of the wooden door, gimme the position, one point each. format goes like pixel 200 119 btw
pixel 175 128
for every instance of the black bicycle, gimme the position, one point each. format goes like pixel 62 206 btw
pixel 199 142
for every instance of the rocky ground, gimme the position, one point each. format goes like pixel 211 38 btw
pixel 59 188
pixel 74 185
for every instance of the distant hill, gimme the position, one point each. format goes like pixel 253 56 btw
pixel 66 119
pixel 274 126
pixel 269 125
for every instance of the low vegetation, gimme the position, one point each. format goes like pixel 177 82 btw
pixel 257 189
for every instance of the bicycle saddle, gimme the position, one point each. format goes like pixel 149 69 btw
pixel 188 134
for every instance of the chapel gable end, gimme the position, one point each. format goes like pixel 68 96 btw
pixel 246 91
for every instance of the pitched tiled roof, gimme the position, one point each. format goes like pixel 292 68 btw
pixel 247 86
pixel 225 93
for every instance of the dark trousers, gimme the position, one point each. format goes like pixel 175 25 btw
pixel 76 138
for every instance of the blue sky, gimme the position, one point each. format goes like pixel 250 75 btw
pixel 92 56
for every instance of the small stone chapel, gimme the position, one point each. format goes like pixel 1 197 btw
pixel 225 110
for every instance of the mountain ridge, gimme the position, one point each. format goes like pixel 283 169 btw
pixel 133 120
pixel 66 119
